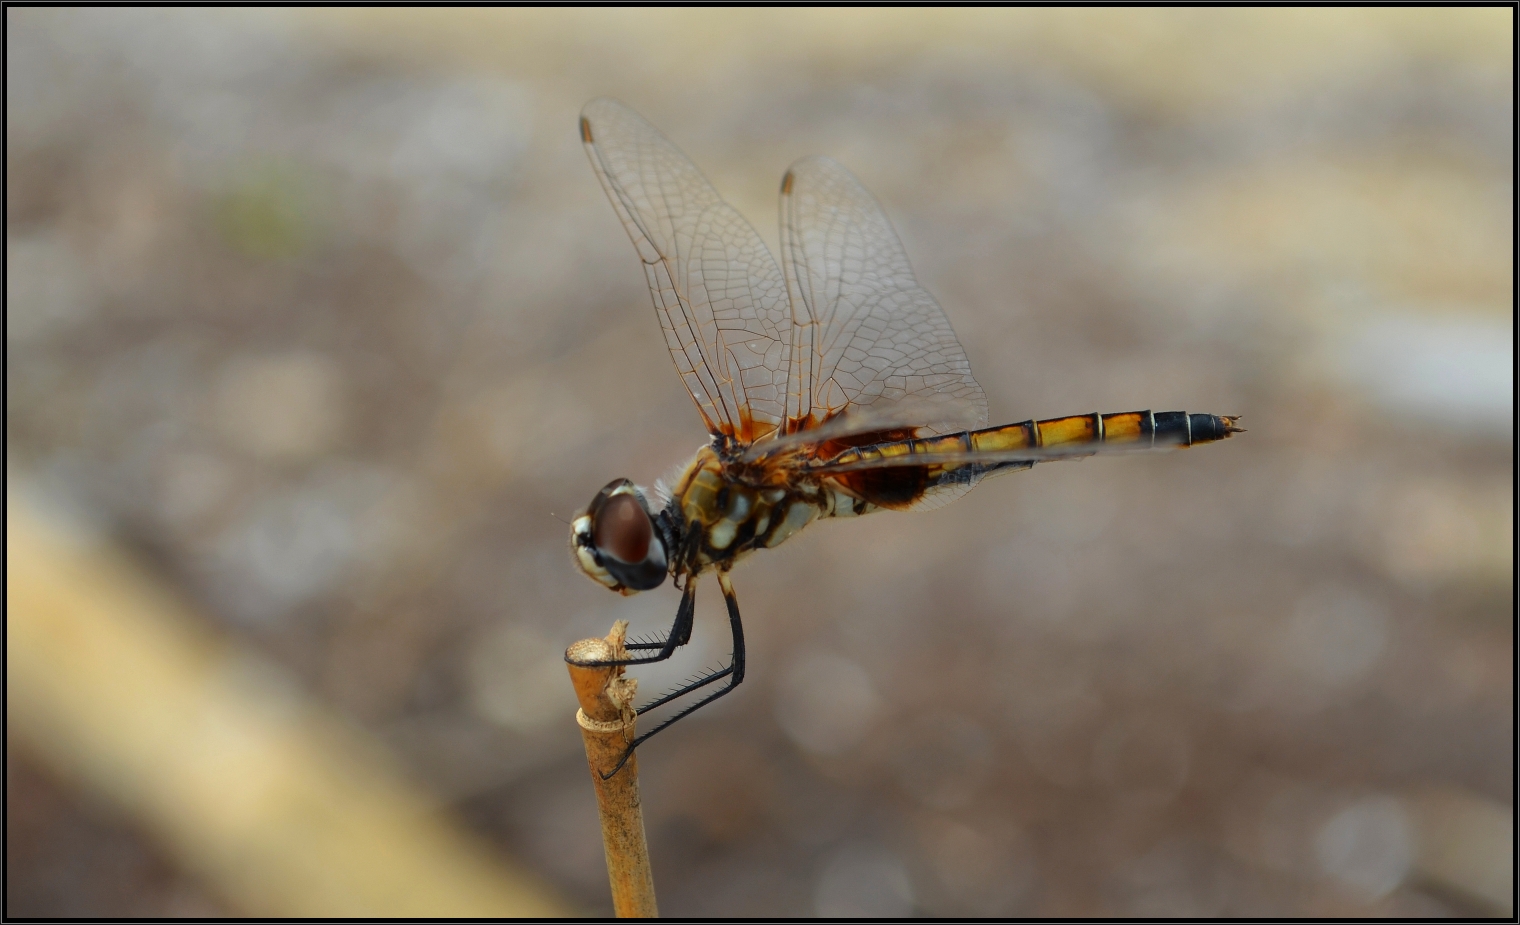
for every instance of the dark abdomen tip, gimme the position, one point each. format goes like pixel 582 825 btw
pixel 1207 427
pixel 1178 428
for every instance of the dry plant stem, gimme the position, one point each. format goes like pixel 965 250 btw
pixel 606 719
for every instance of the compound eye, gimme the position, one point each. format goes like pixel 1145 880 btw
pixel 623 530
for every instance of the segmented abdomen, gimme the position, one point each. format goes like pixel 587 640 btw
pixel 1160 428
pixel 887 474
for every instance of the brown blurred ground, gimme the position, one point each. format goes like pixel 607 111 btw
pixel 324 315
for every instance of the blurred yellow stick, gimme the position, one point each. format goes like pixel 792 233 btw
pixel 607 721
pixel 116 686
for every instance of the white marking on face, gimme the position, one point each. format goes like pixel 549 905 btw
pixel 585 559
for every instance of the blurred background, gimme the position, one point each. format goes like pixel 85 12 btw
pixel 319 327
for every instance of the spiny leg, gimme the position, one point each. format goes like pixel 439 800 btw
pixel 694 684
pixel 734 672
pixel 680 634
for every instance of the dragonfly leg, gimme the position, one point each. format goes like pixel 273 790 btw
pixel 680 635
pixel 680 631
pixel 734 672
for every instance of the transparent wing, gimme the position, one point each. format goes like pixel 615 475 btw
pixel 865 335
pixel 717 290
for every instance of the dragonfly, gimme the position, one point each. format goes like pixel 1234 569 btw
pixel 831 385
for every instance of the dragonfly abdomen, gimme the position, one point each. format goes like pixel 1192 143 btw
pixel 1053 438
pixel 1139 428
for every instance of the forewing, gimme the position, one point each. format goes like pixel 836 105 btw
pixel 865 334
pixel 716 288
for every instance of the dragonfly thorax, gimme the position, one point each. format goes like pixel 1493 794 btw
pixel 727 509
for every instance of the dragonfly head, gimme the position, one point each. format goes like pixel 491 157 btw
pixel 616 543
